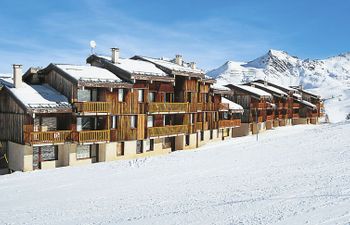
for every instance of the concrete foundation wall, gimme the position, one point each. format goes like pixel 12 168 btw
pixel 241 131
pixel 261 126
pixel 206 139
pixel 20 157
pixel 193 142
pixel 276 123
pixel 299 121
pixel 269 125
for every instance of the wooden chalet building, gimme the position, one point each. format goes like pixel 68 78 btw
pixel 256 104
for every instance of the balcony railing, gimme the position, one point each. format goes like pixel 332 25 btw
pixel 205 106
pixel 92 136
pixel 48 137
pixel 156 107
pixel 295 115
pixel 258 105
pixel 314 115
pixel 199 125
pixel 229 123
pixel 222 107
pixel 167 130
pixel 93 107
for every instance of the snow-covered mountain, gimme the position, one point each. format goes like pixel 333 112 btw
pixel 328 77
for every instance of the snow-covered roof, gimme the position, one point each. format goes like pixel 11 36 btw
pixel 134 66
pixel 88 73
pixel 297 96
pixel 253 90
pixel 220 87
pixel 232 105
pixel 270 88
pixel 306 103
pixel 310 93
pixel 169 64
pixel 37 96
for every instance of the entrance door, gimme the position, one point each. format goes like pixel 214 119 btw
pixel 173 144
pixel 94 152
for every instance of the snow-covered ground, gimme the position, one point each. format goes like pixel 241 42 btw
pixel 292 175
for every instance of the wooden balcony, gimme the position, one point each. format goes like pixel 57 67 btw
pixel 48 137
pixel 229 123
pixel 167 107
pixel 260 119
pixel 167 130
pixel 314 114
pixel 205 126
pixel 258 105
pixel 93 107
pixel 295 115
pixel 222 107
pixel 205 106
pixel 92 136
pixel 199 125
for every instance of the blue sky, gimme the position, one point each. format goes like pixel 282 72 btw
pixel 35 33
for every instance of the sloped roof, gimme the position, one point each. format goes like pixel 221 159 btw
pixel 134 66
pixel 307 104
pixel 87 72
pixel 232 105
pixel 38 97
pixel 252 90
pixel 171 65
pixel 270 89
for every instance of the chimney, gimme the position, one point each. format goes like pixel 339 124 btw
pixel 193 65
pixel 17 75
pixel 115 55
pixel 178 59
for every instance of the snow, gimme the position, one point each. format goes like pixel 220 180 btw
pixel 231 105
pixel 33 96
pixel 172 66
pixel 284 178
pixel 254 90
pixel 137 66
pixel 87 72
pixel 270 88
pixel 309 104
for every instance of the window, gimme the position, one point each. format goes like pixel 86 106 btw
pixel 84 95
pixel 83 151
pixel 166 142
pixel 147 145
pixel 139 147
pixel 187 140
pixel 140 95
pixel 113 122
pixel 192 119
pixel 151 96
pixel 151 145
pixel 149 121
pixel 121 95
pixel 133 122
pixel 189 97
pixel 202 135
pixel 49 153
pixel 168 97
pixel 120 148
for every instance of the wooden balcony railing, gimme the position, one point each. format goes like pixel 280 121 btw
pixel 314 114
pixel 205 106
pixel 93 107
pixel 92 136
pixel 295 115
pixel 296 105
pixel 229 123
pixel 155 107
pixel 258 105
pixel 260 119
pixel 167 130
pixel 205 126
pixel 222 107
pixel 48 137
pixel 199 125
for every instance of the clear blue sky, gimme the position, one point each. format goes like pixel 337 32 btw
pixel 37 32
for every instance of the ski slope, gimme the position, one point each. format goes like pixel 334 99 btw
pixel 292 175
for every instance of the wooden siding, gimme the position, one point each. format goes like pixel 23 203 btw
pixel 62 85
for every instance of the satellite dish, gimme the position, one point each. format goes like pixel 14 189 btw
pixel 92 46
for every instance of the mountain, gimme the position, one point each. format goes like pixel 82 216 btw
pixel 328 77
